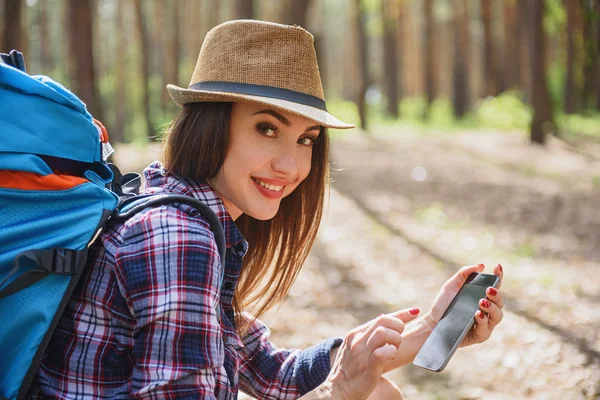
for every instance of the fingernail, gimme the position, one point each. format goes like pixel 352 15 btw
pixel 492 291
pixel 414 311
pixel 481 265
pixel 481 315
pixel 500 266
pixel 486 304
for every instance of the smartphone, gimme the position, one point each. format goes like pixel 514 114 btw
pixel 455 323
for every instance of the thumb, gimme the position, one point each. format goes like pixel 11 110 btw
pixel 406 315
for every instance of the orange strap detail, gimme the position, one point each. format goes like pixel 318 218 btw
pixel 32 181
pixel 104 135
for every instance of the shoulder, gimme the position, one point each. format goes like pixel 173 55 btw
pixel 165 226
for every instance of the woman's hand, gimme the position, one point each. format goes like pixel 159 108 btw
pixel 492 306
pixel 361 357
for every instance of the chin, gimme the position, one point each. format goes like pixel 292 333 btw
pixel 263 214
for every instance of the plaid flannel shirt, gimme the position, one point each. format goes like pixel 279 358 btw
pixel 142 322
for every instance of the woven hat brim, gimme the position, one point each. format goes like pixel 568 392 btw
pixel 183 96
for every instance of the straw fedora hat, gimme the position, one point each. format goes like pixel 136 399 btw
pixel 259 62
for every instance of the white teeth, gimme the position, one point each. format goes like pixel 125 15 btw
pixel 270 187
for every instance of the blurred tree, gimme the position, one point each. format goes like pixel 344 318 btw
pixel 13 36
pixel 591 54
pixel 195 31
pixel 428 55
pixel 80 62
pixel 489 63
pixel 512 58
pixel 213 11
pixel 295 12
pixel 460 77
pixel 524 53
pixel 46 57
pixel 389 12
pixel 244 9
pixel 597 14
pixel 402 27
pixel 542 109
pixel 159 38
pixel 144 65
pixel 173 47
pixel 363 68
pixel 570 92
pixel 117 135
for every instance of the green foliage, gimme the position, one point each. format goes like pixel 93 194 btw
pixel 506 111
pixel 580 125
pixel 556 85
pixel 555 17
pixel 344 110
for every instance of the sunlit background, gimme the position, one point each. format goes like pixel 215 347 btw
pixel 477 140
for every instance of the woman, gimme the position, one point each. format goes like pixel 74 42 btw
pixel 161 316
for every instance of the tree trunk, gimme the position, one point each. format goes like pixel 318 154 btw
pixel 173 46
pixel 81 54
pixel 402 27
pixel 597 57
pixel 244 9
pixel 159 57
pixel 590 24
pixel 13 37
pixel 524 72
pixel 542 110
pixel 390 57
pixel 512 55
pixel 428 55
pixel 363 78
pixel 213 14
pixel 144 65
pixel 570 98
pixel 490 75
pixel 46 59
pixel 117 135
pixel 460 76
pixel 295 12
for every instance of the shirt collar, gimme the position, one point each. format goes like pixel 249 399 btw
pixel 158 180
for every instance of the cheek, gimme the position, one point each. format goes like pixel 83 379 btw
pixel 304 167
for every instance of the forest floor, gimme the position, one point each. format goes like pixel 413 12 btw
pixel 407 210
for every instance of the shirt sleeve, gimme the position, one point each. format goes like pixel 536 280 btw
pixel 267 372
pixel 168 270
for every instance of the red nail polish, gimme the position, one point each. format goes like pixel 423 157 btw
pixel 493 291
pixel 481 315
pixel 486 304
pixel 414 311
pixel 500 267
pixel 481 265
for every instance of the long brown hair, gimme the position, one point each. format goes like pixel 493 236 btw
pixel 196 145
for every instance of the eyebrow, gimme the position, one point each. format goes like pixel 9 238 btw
pixel 284 120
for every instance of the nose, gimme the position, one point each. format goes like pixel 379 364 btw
pixel 286 164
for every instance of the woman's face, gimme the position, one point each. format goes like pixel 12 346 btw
pixel 269 155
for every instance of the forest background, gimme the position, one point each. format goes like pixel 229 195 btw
pixel 478 140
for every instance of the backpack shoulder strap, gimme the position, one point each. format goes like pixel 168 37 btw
pixel 131 206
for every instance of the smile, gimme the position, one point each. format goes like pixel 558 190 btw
pixel 268 186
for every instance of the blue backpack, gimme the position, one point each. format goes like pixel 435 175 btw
pixel 57 193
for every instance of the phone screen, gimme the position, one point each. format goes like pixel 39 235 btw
pixel 455 323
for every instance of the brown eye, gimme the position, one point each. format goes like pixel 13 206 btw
pixel 267 130
pixel 306 141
